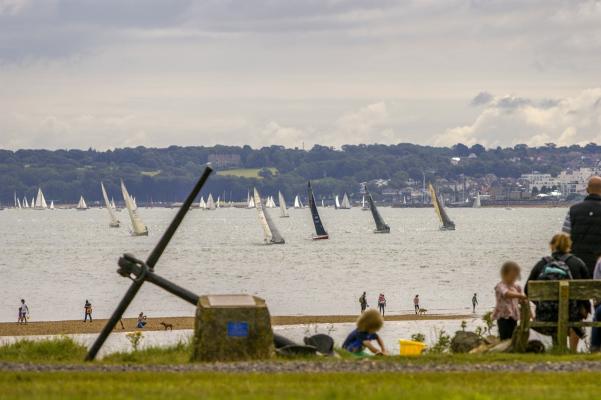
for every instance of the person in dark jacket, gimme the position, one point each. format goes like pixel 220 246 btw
pixel 583 223
pixel 560 251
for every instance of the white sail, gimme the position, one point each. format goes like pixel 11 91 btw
pixel 32 204
pixel 82 204
pixel 250 201
pixel 113 206
pixel 52 205
pixel 336 202
pixel 210 202
pixel 202 205
pixel 25 203
pixel 297 203
pixel 18 203
pixel 323 204
pixel 477 201
pixel 138 227
pixel 133 203
pixel 40 201
pixel 218 202
pixel 114 221
pixel 283 211
pixel 272 236
pixel 346 204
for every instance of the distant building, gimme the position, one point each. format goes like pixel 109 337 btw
pixel 538 181
pixel 225 160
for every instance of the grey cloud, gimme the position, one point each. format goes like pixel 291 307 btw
pixel 482 98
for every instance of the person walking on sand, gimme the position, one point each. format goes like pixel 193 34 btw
pixel 363 301
pixel 583 224
pixel 87 309
pixel 23 313
pixel 416 304
pixel 474 302
pixel 381 303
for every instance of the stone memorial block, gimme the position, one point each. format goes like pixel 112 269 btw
pixel 231 328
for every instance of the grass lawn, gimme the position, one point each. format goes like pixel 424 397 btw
pixel 172 386
pixel 246 172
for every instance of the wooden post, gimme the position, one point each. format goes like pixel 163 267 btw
pixel 519 340
pixel 563 316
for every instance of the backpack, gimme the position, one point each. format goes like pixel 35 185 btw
pixel 555 269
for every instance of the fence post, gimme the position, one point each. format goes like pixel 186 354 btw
pixel 563 316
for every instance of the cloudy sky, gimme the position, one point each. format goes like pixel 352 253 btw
pixel 113 73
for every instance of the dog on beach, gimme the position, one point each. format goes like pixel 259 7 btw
pixel 167 326
pixel 423 311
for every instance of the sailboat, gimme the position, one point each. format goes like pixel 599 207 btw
pixel 202 205
pixel 250 201
pixel 18 203
pixel 113 206
pixel 283 211
pixel 272 235
pixel 476 203
pixel 364 206
pixel 210 202
pixel 40 201
pixel 32 204
pixel 346 204
pixel 25 203
pixel 320 232
pixel 323 204
pixel 52 204
pixel 114 221
pixel 336 202
pixel 218 202
pixel 138 227
pixel 81 206
pixel 447 224
pixel 297 202
pixel 133 203
pixel 381 226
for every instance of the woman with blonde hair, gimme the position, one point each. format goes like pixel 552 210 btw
pixel 561 265
pixel 368 324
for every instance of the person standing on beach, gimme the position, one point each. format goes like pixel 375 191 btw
pixel 363 301
pixel 87 309
pixel 23 313
pixel 474 302
pixel 583 224
pixel 381 303
pixel 416 303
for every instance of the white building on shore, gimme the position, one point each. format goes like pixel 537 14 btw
pixel 567 182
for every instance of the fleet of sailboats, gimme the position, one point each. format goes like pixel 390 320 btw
pixel 138 227
pixel 114 222
pixel 320 232
pixel 445 221
pixel 271 234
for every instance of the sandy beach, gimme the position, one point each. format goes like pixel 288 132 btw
pixel 154 324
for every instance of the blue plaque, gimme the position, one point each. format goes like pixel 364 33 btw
pixel 237 329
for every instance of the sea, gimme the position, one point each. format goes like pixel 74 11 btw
pixel 57 259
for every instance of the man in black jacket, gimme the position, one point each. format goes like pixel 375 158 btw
pixel 583 223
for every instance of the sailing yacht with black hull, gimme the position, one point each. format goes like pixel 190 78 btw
pixel 320 232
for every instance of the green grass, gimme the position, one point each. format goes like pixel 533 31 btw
pixel 43 351
pixel 245 172
pixel 65 350
pixel 174 386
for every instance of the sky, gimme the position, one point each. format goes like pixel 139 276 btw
pixel 115 73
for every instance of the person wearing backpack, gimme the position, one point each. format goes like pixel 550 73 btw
pixel 561 265
pixel 583 224
pixel 363 301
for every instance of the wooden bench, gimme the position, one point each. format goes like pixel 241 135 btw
pixel 562 292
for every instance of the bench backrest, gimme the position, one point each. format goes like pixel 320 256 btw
pixel 580 289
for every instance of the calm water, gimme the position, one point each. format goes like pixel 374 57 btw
pixel 57 259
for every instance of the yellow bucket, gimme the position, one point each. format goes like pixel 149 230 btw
pixel 410 347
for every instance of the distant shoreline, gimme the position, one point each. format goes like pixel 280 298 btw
pixel 179 323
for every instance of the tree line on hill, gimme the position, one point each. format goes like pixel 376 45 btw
pixel 167 174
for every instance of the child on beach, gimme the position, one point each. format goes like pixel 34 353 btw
pixel 368 324
pixel 23 313
pixel 508 294
pixel 87 309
